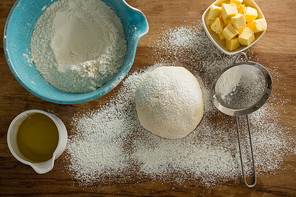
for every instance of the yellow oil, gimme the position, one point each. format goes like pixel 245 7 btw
pixel 37 138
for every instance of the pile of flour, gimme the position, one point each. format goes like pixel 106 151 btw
pixel 78 45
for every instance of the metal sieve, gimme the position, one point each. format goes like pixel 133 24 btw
pixel 239 90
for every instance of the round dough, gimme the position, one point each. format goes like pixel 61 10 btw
pixel 169 102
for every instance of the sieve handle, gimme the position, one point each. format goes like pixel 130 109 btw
pixel 240 152
pixel 240 54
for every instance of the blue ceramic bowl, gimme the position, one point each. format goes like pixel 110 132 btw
pixel 17 38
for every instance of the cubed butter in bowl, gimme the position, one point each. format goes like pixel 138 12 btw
pixel 234 25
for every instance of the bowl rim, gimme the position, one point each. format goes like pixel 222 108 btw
pixel 226 51
pixel 73 98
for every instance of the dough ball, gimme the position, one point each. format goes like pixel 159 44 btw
pixel 169 102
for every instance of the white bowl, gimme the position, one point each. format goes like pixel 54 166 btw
pixel 215 38
pixel 39 167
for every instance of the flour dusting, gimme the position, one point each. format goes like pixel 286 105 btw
pixel 240 87
pixel 110 141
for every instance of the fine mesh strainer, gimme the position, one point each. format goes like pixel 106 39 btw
pixel 239 90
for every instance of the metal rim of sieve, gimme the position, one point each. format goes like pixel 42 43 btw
pixel 254 107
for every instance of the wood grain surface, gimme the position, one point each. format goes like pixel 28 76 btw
pixel 275 50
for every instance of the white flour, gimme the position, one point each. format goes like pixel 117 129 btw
pixel 240 87
pixel 109 144
pixel 78 45
pixel 229 81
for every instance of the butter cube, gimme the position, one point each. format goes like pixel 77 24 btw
pixel 229 32
pixel 214 12
pixel 228 10
pixel 227 21
pixel 217 26
pixel 258 25
pixel 241 9
pixel 246 37
pixel 238 21
pixel 232 29
pixel 221 37
pixel 232 44
pixel 250 14
pixel 241 30
pixel 237 2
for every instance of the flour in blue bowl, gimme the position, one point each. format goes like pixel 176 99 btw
pixel 78 45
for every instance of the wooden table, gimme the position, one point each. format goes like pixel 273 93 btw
pixel 276 49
